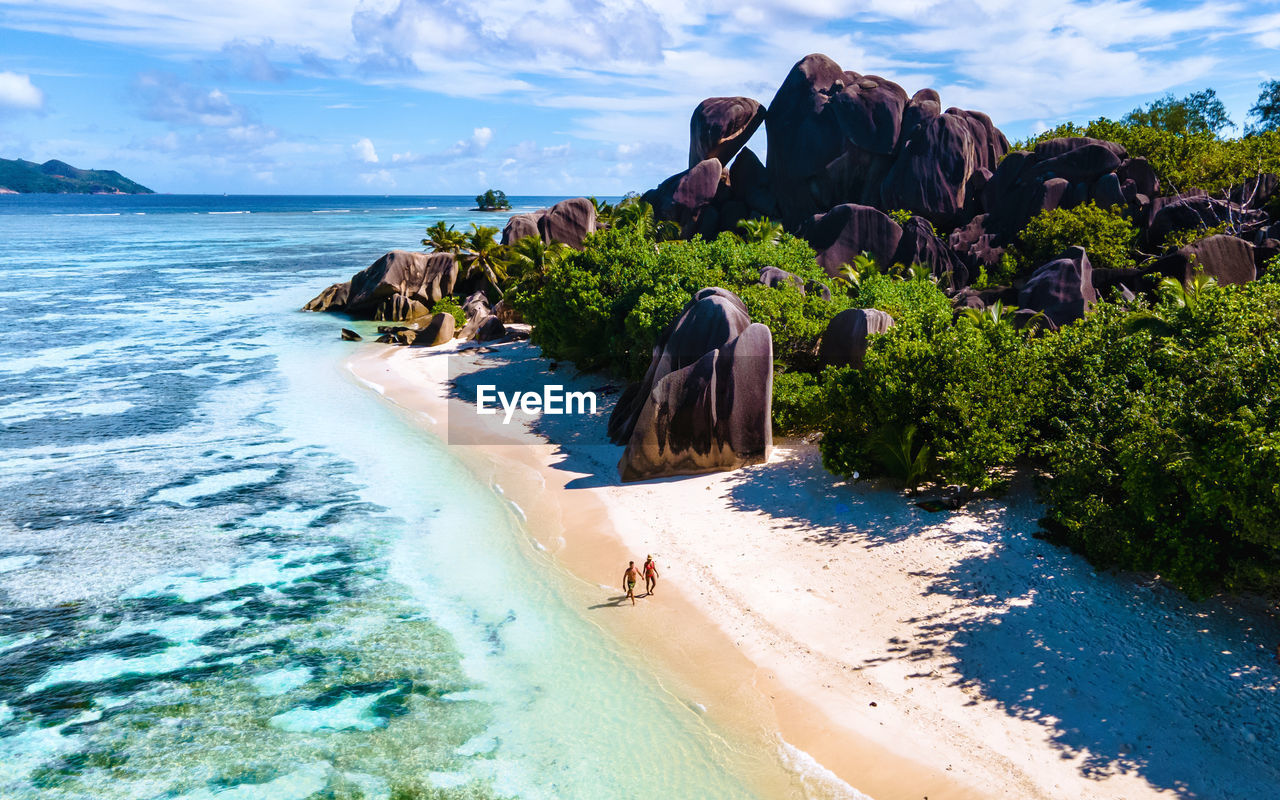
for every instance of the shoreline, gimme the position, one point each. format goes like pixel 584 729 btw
pixel 829 615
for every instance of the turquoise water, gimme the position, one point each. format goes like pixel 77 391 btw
pixel 229 571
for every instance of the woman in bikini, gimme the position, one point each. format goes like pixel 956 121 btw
pixel 650 575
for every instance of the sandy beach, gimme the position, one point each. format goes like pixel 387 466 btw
pixel 911 653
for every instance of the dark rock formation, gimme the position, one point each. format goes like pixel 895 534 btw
pixel 476 309
pixel 929 176
pixel 438 330
pixel 398 307
pixel 521 225
pixel 975 246
pixel 844 342
pixel 774 277
pixel 333 298
pixel 920 245
pixel 1062 288
pixel 720 126
pixel 847 231
pixel 749 185
pixel 1226 259
pixel 568 222
pixel 687 198
pixel 1195 210
pixel 418 277
pixel 490 329
pixel 705 401
pixel 349 335
pixel 505 313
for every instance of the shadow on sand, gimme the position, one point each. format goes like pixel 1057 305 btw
pixel 1122 672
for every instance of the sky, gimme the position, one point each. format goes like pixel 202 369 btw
pixel 551 97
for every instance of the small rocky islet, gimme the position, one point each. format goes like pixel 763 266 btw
pixel 845 150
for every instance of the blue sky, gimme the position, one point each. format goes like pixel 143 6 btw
pixel 557 97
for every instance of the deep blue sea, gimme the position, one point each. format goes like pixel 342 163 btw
pixel 228 570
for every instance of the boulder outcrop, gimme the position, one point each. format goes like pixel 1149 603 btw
pixel 720 126
pixel 1226 259
pixel 705 401
pixel 1062 288
pixel 845 341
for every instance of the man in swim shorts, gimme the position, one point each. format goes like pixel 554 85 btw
pixel 650 575
pixel 629 579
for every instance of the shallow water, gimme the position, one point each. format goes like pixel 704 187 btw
pixel 228 571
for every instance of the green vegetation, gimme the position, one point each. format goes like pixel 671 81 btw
pixel 450 305
pixel 1267 110
pixel 1107 235
pixel 493 200
pixel 61 178
pixel 605 306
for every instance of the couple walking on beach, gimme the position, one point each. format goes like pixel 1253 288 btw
pixel 632 575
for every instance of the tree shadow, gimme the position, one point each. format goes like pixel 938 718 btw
pixel 799 494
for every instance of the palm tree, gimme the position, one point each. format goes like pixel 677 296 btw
pixel 902 455
pixel 760 231
pixel 637 214
pixel 1186 295
pixel 604 212
pixel 485 256
pixel 863 266
pixel 529 259
pixel 444 239
pixel 995 314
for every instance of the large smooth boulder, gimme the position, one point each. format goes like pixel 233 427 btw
pixel 568 222
pixel 476 310
pixel 847 231
pixel 844 342
pixel 438 330
pixel 333 298
pixel 1062 288
pixel 749 184
pixel 398 307
pixel 1226 259
pixel 700 412
pixel 491 329
pixel 423 278
pixel 720 126
pixel 930 174
pixel 1194 210
pixel 521 225
pixel 774 277
pixel 705 401
pixel 686 197
pixel 921 246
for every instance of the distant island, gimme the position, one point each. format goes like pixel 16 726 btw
pixel 58 177
pixel 493 200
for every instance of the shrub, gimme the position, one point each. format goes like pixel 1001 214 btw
pixel 798 404
pixel 450 305
pixel 969 390
pixel 1162 443
pixel 605 307
pixel 905 300
pixel 1107 235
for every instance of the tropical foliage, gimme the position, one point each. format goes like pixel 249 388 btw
pixel 492 200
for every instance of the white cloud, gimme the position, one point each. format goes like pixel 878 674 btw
pixel 481 137
pixel 18 92
pixel 380 178
pixel 365 152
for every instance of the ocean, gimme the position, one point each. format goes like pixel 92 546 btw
pixel 228 570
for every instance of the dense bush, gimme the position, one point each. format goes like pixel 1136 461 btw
pixel 1184 160
pixel 1162 443
pixel 968 388
pixel 605 306
pixel 1107 235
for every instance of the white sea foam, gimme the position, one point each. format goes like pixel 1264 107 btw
pixel 297 785
pixel 281 681
pixel 351 714
pixel 15 563
pixel 230 212
pixel 819 783
pixel 213 484
pixel 105 667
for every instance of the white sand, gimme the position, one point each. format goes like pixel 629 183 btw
pixel 906 651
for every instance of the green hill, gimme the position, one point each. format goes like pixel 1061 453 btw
pixel 59 177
